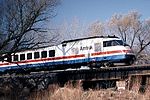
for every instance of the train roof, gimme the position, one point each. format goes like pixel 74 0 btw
pixel 89 38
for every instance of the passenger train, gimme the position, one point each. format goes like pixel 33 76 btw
pixel 97 51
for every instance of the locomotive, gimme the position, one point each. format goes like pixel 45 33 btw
pixel 97 51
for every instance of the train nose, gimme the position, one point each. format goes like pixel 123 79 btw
pixel 128 51
pixel 130 59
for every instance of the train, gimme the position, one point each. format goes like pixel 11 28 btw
pixel 94 52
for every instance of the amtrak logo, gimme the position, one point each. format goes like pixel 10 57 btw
pixel 85 48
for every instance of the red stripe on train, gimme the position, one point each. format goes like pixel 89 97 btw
pixel 45 59
pixel 67 57
pixel 110 52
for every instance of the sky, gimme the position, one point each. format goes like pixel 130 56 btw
pixel 88 11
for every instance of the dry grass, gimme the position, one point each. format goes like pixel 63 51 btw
pixel 76 94
pixel 69 92
pixel 45 94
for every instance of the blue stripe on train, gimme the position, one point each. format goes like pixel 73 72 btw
pixel 50 64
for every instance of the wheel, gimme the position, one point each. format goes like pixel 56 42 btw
pixel 130 62
pixel 108 64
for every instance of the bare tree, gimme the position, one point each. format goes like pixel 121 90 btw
pixel 96 28
pixel 22 23
pixel 132 30
pixel 76 29
pixel 71 30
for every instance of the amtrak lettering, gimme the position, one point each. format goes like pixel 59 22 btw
pixel 85 47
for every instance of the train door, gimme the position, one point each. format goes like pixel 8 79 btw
pixel 85 47
pixel 97 49
pixel 88 48
pixel 96 55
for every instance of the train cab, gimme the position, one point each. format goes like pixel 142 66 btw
pixel 118 51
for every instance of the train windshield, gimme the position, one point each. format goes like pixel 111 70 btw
pixel 113 43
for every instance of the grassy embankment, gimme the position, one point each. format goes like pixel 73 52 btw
pixel 70 92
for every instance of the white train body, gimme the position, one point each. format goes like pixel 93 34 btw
pixel 93 51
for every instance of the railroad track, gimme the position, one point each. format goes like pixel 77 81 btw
pixel 145 67
pixel 44 78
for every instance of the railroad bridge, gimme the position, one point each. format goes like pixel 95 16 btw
pixel 135 77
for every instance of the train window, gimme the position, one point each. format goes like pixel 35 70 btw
pixel 97 47
pixel 64 44
pixel 106 43
pixel 44 54
pixel 112 43
pixel 117 42
pixel 36 55
pixel 15 57
pixel 52 53
pixel 22 56
pixel 29 55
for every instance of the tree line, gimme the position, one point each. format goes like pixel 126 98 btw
pixel 130 27
pixel 22 24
